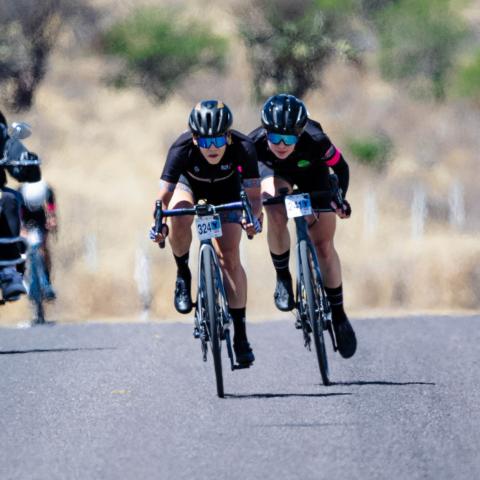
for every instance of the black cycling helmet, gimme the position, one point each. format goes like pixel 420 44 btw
pixel 210 118
pixel 284 114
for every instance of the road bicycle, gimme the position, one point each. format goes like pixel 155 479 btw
pixel 312 309
pixel 212 321
pixel 36 273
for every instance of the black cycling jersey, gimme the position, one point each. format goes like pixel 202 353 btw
pixel 218 183
pixel 308 165
pixel 184 158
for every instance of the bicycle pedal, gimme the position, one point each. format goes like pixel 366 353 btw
pixel 196 333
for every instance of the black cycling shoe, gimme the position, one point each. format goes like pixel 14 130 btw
pixel 183 299
pixel 283 295
pixel 345 336
pixel 243 352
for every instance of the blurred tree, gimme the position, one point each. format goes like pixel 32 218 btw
pixel 29 30
pixel 419 40
pixel 158 49
pixel 289 43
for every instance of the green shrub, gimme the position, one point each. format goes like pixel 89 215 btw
pixel 159 50
pixel 373 151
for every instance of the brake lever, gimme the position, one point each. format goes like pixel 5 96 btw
pixel 158 222
pixel 247 208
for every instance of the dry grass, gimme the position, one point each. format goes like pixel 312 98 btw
pixel 104 151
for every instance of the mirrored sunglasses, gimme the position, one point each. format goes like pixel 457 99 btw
pixel 207 142
pixel 276 138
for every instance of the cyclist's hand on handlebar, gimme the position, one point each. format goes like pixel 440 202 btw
pixel 253 228
pixel 158 237
pixel 344 210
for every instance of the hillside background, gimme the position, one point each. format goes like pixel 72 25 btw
pixel 411 244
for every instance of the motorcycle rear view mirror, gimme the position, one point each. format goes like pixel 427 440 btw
pixel 20 130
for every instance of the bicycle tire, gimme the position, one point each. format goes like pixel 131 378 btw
pixel 213 320
pixel 35 292
pixel 312 301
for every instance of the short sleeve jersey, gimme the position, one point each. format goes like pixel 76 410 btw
pixel 314 152
pixel 185 158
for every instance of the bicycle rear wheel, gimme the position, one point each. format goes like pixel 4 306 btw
pixel 213 320
pixel 314 309
pixel 35 291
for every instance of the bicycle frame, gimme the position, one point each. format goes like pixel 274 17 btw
pixel 213 325
pixel 312 307
pixel 199 317
pixel 301 228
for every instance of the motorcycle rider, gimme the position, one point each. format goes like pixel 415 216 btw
pixel 11 280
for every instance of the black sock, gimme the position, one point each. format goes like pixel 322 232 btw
pixel 238 316
pixel 182 266
pixel 280 262
pixel 335 298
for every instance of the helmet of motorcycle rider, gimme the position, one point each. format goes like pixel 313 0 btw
pixel 34 194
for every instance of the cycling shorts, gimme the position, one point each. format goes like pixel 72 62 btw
pixel 216 193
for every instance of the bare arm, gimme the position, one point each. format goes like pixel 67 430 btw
pixel 164 195
pixel 165 192
pixel 252 187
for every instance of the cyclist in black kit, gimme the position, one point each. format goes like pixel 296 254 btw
pixel 38 209
pixel 11 281
pixel 293 150
pixel 203 163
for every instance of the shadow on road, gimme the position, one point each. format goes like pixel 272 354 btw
pixel 381 382
pixel 307 425
pixel 282 395
pixel 50 350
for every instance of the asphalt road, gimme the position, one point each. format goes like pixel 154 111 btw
pixel 136 402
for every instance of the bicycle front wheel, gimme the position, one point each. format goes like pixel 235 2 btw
pixel 213 320
pixel 313 309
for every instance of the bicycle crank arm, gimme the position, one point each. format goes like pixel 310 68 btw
pixel 332 335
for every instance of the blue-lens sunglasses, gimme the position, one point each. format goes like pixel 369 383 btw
pixel 207 142
pixel 276 138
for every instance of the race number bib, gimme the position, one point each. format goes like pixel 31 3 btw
pixel 298 205
pixel 208 227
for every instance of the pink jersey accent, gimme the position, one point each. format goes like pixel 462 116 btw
pixel 51 207
pixel 335 159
